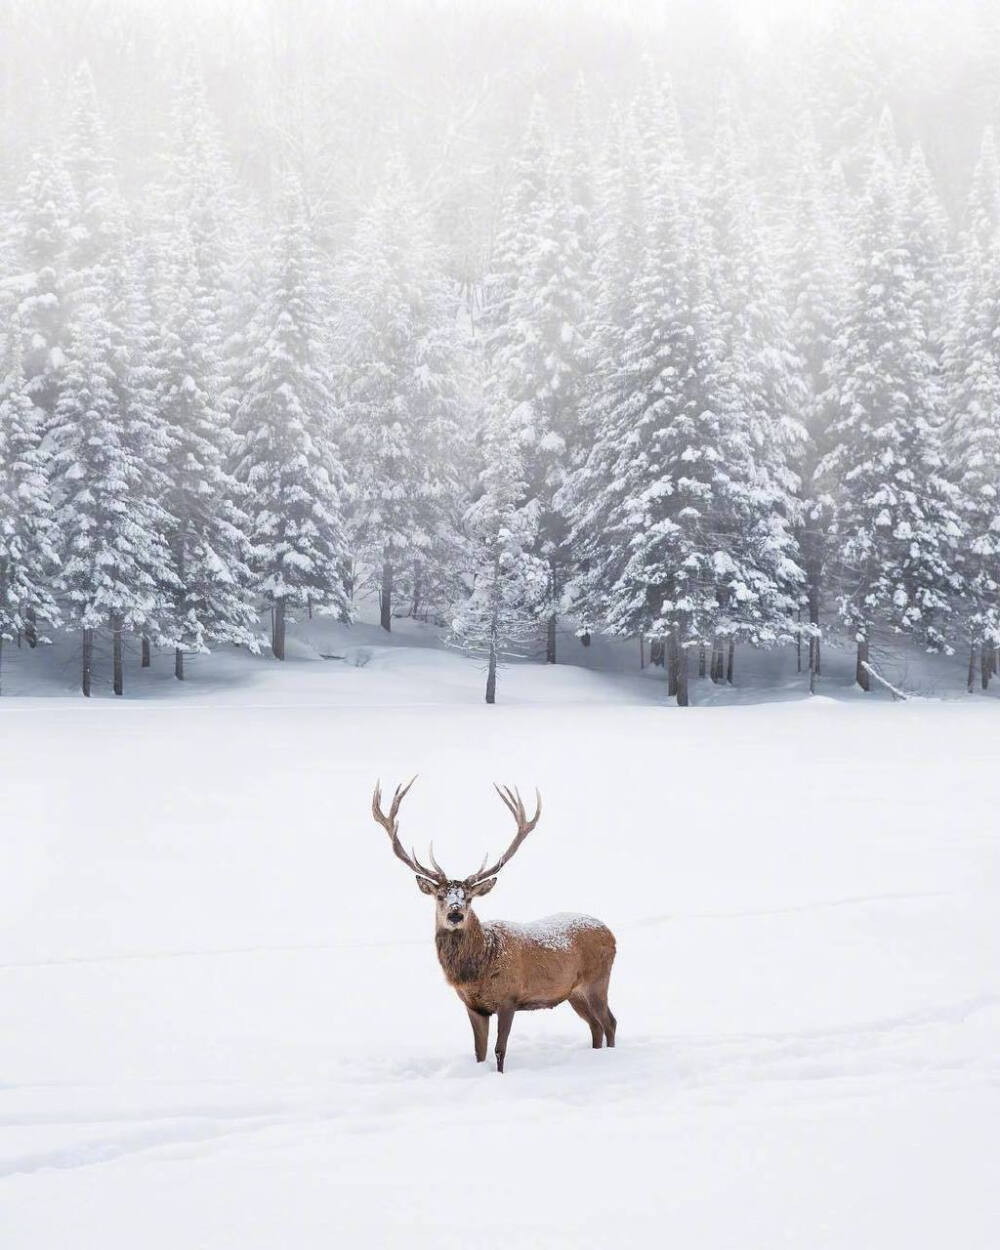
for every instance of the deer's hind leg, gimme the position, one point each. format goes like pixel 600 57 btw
pixel 581 1006
pixel 480 1032
pixel 597 1000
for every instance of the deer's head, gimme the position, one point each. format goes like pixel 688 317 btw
pixel 453 897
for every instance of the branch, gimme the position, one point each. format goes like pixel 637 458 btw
pixel 896 694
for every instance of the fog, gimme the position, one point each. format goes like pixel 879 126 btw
pixel 527 320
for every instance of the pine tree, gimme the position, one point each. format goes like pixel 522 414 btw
pixel 99 212
pixel 290 451
pixel 972 440
pixel 895 526
pixel 28 542
pixel 115 561
pixel 647 502
pixel 816 274
pixel 535 341
pixel 210 599
pixel 46 210
pixel 497 617
pixel 765 397
pixel 403 384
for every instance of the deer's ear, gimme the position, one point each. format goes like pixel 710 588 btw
pixel 426 887
pixel 483 887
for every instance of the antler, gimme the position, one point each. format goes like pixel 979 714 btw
pixel 515 805
pixel 391 827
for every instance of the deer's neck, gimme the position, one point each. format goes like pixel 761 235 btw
pixel 465 953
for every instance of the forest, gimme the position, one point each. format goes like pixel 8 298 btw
pixel 516 324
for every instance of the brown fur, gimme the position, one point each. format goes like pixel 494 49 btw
pixel 498 969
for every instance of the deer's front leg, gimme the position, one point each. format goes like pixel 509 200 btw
pixel 480 1031
pixel 505 1018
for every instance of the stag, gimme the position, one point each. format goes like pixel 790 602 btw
pixel 499 968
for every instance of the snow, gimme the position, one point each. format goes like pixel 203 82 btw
pixel 554 931
pixel 225 1027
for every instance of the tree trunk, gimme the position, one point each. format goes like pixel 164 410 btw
pixel 814 621
pixel 418 590
pixel 642 651
pixel 798 643
pixel 385 598
pixel 178 663
pixel 984 666
pixel 87 656
pixel 550 639
pixel 31 628
pixel 730 661
pixel 585 639
pixel 971 681
pixel 118 671
pixel 701 660
pixel 861 674
pixel 718 662
pixel 673 665
pixel 145 651
pixel 278 637
pixel 491 674
pixel 682 675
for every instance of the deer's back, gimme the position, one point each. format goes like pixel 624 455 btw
pixel 540 964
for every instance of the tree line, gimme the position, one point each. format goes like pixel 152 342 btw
pixel 676 401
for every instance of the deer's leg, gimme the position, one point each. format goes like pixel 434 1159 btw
pixel 505 1018
pixel 480 1032
pixel 597 998
pixel 582 1009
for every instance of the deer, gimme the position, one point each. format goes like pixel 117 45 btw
pixel 496 967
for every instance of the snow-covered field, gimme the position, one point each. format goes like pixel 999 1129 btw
pixel 224 1025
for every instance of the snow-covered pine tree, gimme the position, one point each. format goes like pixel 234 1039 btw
pixel 926 235
pixel 895 527
pixel 982 211
pixel 765 397
pixel 537 351
pixel 403 382
pixel 99 212
pixel 28 542
pixel 40 247
pixel 115 560
pixel 815 269
pixel 46 210
pixel 648 503
pixel 290 449
pixel 211 599
pixel 972 425
pixel 497 616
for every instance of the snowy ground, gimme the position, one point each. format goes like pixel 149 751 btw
pixel 224 1025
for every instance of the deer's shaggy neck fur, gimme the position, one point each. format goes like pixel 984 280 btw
pixel 465 954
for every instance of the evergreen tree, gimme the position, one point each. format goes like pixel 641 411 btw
pixel 497 617
pixel 290 454
pixel 972 439
pixel 537 352
pixel 28 542
pixel 765 398
pixel 405 393
pixel 816 274
pixel 210 596
pixel 46 210
pixel 895 527
pixel 115 559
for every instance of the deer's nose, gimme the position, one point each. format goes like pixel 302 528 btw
pixel 455 917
